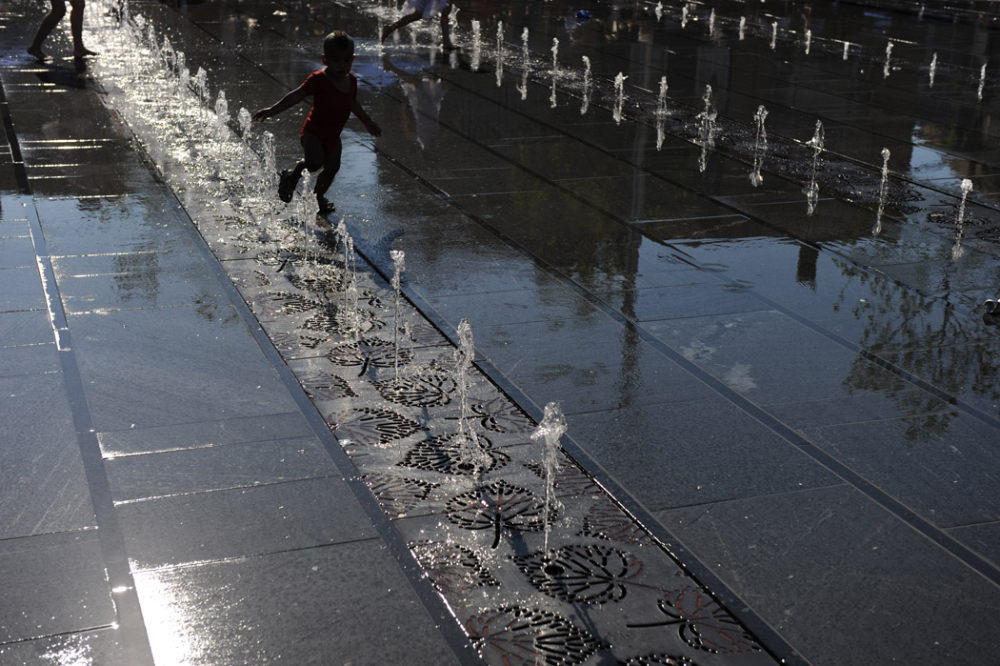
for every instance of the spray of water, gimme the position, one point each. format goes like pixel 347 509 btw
pixel 619 96
pixel 659 11
pixel 470 451
pixel 982 82
pixel 711 23
pixel 555 71
pixel 398 266
pixel 932 70
pixel 743 27
pixel 887 67
pixel 957 250
pixel 883 191
pixel 812 190
pixel 774 35
pixel 809 38
pixel 548 432
pixel 706 129
pixel 759 147
pixel 847 50
pixel 477 45
pixel 522 87
pixel 498 60
pixel 587 84
pixel 661 113
pixel 684 16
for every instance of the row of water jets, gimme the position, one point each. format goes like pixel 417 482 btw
pixel 706 124
pixel 207 153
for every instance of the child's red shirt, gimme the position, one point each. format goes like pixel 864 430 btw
pixel 330 107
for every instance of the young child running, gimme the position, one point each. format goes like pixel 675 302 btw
pixel 414 10
pixel 333 90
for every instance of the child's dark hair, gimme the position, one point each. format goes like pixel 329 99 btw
pixel 336 43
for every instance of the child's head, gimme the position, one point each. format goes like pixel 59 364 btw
pixel 338 44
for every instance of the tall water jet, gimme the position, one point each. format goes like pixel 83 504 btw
pixel 525 64
pixel 619 97
pixel 549 431
pixel 956 250
pixel 812 189
pixel 398 266
pixel 200 84
pixel 887 67
pixel 684 16
pixel 932 70
pixel 587 83
pixel 759 147
pixel 774 35
pixel 661 113
pixel 706 130
pixel 982 82
pixel 743 27
pixel 847 50
pixel 882 192
pixel 470 452
pixel 711 23
pixel 477 45
pixel 499 55
pixel 659 11
pixel 347 308
pixel 809 38
pixel 555 71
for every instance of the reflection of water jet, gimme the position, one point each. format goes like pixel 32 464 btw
pixel 812 190
pixel 957 250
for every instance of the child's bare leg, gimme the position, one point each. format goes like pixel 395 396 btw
pixel 331 165
pixel 49 23
pixel 76 28
pixel 446 28
pixel 393 27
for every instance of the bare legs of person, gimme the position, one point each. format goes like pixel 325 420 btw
pixel 416 16
pixel 51 20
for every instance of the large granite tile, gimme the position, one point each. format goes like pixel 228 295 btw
pixel 25 328
pixel 586 364
pixel 840 578
pixel 217 468
pixel 53 584
pixel 943 465
pixel 670 455
pixel 770 358
pixel 16 252
pixel 86 648
pixel 344 604
pixel 148 368
pixel 43 487
pixel 200 434
pixel 29 360
pixel 136 280
pixel 22 289
pixel 246 521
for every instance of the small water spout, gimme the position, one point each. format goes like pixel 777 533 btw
pixel 661 113
pixel 619 96
pixel 525 65
pixel 760 147
pixel 882 192
pixel 659 11
pixel 587 84
pixel 477 45
pixel 932 70
pixel 398 266
pixel 812 190
pixel 707 129
pixel 957 250
pixel 743 27
pixel 982 82
pixel 887 67
pixel 774 35
pixel 499 54
pixel 684 16
pixel 555 71
pixel 711 23
pixel 470 451
pixel 549 431
pixel 809 38
pixel 847 50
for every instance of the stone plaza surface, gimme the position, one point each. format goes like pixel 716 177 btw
pixel 791 417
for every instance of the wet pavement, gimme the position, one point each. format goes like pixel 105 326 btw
pixel 223 446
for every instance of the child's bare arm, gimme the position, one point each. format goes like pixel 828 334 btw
pixel 292 98
pixel 370 124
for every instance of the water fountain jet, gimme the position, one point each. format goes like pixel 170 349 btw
pixel 882 192
pixel 812 190
pixel 760 147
